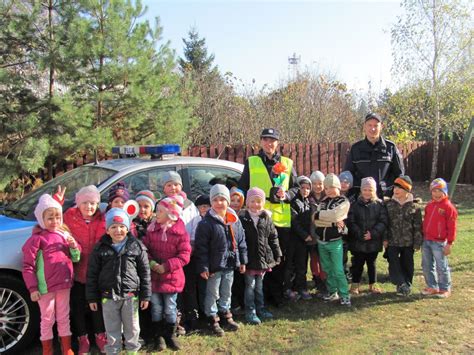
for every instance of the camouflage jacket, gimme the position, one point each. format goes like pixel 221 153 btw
pixel 405 223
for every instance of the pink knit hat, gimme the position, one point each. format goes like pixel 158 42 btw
pixel 255 192
pixel 173 205
pixel 368 182
pixel 45 202
pixel 88 193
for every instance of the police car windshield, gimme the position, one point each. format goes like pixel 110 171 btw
pixel 73 180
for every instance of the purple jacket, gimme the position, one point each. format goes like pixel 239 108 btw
pixel 173 251
pixel 47 261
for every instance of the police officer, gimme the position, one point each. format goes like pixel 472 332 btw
pixel 258 173
pixel 375 156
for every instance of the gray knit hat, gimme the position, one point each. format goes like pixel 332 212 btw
pixel 171 176
pixel 332 180
pixel 219 190
pixel 368 182
pixel 303 180
pixel 316 176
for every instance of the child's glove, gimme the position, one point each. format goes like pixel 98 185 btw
pixel 35 296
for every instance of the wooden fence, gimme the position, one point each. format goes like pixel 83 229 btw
pixel 331 157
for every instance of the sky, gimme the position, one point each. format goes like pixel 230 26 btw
pixel 347 39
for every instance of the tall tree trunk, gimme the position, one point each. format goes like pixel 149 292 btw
pixel 434 90
pixel 51 50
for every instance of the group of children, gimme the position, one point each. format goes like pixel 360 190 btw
pixel 183 257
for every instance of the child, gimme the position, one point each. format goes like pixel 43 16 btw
pixel 118 276
pixel 347 181
pixel 329 220
pixel 263 253
pixel 439 230
pixel 194 287
pixel 315 198
pixel 48 273
pixel 87 225
pixel 237 200
pixel 146 203
pixel 219 249
pixel 404 235
pixel 118 195
pixel 297 252
pixel 172 186
pixel 169 250
pixel 367 223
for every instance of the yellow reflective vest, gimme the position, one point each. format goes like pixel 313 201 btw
pixel 259 177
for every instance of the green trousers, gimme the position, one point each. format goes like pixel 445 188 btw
pixel 330 254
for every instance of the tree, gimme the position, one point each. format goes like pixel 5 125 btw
pixel 196 58
pixel 430 41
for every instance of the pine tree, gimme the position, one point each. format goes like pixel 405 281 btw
pixel 196 58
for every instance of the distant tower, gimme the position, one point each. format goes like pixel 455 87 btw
pixel 293 66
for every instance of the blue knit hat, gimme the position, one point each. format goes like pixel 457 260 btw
pixel 347 177
pixel 117 216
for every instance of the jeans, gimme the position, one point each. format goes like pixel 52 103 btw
pixel 330 254
pixel 254 293
pixel 163 303
pixel 218 292
pixel 400 264
pixel 435 265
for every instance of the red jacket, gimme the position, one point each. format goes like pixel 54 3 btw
pixel 173 252
pixel 439 223
pixel 86 235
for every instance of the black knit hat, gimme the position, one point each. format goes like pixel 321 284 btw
pixel 202 200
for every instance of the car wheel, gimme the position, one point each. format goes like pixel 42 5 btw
pixel 19 317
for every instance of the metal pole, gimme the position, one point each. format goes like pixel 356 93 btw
pixel 461 157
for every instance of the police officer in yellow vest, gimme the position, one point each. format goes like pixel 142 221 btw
pixel 258 172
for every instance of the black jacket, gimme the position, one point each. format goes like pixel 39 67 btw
pixel 110 273
pixel 213 249
pixel 381 160
pixel 263 248
pixel 244 182
pixel 300 217
pixel 367 216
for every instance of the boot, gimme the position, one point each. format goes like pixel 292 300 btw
pixel 84 345
pixel 66 345
pixel 215 326
pixel 159 340
pixel 229 322
pixel 170 336
pixel 47 346
pixel 101 341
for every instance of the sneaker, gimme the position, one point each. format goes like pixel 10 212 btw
pixel 429 291
pixel 354 290
pixel 291 295
pixel 443 294
pixel 84 345
pixel 180 330
pixel 264 314
pixel 304 295
pixel 346 301
pixel 252 318
pixel 374 289
pixel 238 311
pixel 331 297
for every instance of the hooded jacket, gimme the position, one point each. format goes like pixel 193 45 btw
pixel 367 216
pixel 220 245
pixel 111 273
pixel 263 248
pixel 440 219
pixel 172 250
pixel 86 235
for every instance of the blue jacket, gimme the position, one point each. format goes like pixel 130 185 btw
pixel 213 247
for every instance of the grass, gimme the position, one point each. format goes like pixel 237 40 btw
pixel 384 323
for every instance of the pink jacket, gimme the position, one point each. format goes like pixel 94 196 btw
pixel 86 235
pixel 173 250
pixel 47 261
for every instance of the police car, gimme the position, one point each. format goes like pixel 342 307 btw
pixel 19 317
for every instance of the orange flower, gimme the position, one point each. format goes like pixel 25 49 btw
pixel 279 168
